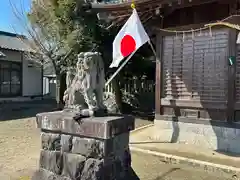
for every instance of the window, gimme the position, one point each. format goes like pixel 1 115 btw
pixel 10 78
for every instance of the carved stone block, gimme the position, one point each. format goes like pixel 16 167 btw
pixel 51 141
pixel 51 161
pixel 88 147
pixel 73 165
pixel 100 127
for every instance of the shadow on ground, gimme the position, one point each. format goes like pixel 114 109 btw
pixel 46 175
pixel 19 110
pixel 131 175
pixel 147 114
pixel 166 173
pixel 228 153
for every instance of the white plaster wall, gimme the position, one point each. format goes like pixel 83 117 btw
pixel 31 76
pixel 45 86
pixel 32 80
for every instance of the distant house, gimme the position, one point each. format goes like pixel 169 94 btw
pixel 19 78
pixel 49 81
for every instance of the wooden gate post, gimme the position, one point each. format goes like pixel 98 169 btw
pixel 158 75
pixel 231 100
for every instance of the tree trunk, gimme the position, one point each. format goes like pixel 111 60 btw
pixel 118 92
pixel 60 88
pixel 63 87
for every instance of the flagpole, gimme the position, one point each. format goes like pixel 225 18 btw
pixel 125 62
pixel 153 50
pixel 119 69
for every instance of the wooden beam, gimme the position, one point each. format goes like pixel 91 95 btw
pixel 141 5
pixel 231 70
pixel 158 84
pixel 102 7
pixel 111 12
pixel 169 10
pixel 195 104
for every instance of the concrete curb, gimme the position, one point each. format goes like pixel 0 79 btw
pixel 203 165
pixel 141 128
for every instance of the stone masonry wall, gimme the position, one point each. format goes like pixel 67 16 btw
pixel 73 156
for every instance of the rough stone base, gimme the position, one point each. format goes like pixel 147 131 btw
pixel 84 158
pixel 94 149
pixel 206 136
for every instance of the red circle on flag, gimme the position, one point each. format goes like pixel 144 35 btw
pixel 128 45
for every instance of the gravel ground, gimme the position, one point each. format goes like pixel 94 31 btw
pixel 19 153
pixel 19 147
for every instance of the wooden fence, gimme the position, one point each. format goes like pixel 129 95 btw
pixel 135 86
pixel 138 93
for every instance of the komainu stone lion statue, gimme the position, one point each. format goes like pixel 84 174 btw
pixel 85 89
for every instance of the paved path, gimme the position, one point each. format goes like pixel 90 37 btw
pixel 140 122
pixel 149 167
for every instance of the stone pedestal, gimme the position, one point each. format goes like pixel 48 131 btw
pixel 95 148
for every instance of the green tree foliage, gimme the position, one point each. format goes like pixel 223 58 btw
pixel 74 28
pixel 77 28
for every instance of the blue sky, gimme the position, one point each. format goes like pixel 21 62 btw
pixel 7 18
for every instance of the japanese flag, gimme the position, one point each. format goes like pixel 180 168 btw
pixel 129 39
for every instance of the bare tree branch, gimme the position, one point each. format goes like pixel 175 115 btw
pixel 43 49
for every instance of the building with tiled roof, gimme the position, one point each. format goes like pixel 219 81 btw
pixel 18 76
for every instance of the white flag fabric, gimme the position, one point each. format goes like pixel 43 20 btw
pixel 129 39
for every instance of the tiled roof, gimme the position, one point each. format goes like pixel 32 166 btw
pixel 13 41
pixel 118 4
